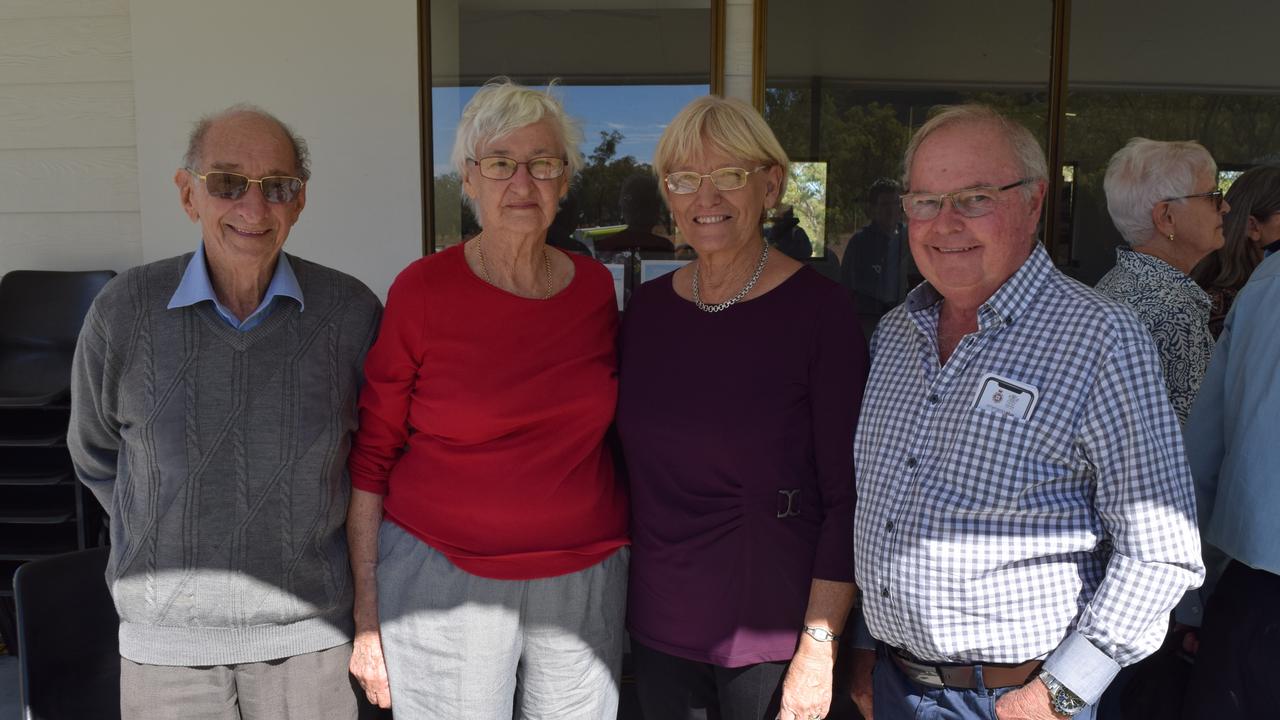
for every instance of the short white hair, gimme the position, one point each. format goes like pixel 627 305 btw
pixel 501 107
pixel 1026 150
pixel 1146 172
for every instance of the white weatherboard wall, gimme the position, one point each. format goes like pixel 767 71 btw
pixel 343 74
pixel 68 167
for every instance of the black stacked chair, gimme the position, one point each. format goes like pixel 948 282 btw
pixel 68 652
pixel 43 510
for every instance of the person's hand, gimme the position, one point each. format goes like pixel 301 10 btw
pixel 369 667
pixel 806 690
pixel 1029 702
pixel 864 661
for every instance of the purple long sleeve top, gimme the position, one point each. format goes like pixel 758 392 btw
pixel 738 431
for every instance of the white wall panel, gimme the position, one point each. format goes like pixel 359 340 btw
pixel 10 9
pixel 67 115
pixel 50 50
pixel 68 167
pixel 344 75
pixel 69 241
pixel 74 180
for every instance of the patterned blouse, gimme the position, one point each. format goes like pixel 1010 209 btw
pixel 1176 311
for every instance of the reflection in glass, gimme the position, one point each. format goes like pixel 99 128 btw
pixel 848 81
pixel 621 85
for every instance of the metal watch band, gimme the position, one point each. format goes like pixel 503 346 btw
pixel 820 634
pixel 1065 702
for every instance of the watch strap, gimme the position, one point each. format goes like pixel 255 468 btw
pixel 820 634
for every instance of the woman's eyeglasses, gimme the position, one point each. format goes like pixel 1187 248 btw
pixel 1215 195
pixel 233 186
pixel 687 182
pixel 496 167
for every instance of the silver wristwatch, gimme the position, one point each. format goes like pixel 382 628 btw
pixel 1065 703
pixel 820 634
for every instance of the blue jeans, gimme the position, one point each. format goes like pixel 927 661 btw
pixel 897 697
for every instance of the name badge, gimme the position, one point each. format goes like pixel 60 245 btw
pixel 1002 395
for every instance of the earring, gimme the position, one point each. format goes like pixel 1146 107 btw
pixel 1170 237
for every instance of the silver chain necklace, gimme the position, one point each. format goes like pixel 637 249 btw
pixel 697 296
pixel 546 265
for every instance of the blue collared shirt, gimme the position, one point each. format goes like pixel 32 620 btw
pixel 1231 434
pixel 1029 498
pixel 196 287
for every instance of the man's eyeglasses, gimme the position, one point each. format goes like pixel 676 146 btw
pixel 687 182
pixel 233 186
pixel 970 202
pixel 496 167
pixel 1215 195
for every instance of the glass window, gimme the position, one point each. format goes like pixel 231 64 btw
pixel 1163 75
pixel 846 82
pixel 624 69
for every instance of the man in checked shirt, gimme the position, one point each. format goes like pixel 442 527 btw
pixel 1026 518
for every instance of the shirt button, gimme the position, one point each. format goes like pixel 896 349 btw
pixel 888 526
pixel 884 591
pixel 933 399
pixel 911 462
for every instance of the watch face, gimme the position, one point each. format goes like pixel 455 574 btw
pixel 1066 702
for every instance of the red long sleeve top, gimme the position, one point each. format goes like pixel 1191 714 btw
pixel 483 416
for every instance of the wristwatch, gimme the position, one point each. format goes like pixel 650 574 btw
pixel 820 634
pixel 1065 703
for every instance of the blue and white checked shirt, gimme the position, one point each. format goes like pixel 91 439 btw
pixel 981 536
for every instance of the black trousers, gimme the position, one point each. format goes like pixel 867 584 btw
pixel 1235 670
pixel 673 688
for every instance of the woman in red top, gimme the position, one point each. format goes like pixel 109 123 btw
pixel 487 531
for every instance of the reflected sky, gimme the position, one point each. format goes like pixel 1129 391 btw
pixel 639 112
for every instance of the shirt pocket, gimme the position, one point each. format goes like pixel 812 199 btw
pixel 1003 463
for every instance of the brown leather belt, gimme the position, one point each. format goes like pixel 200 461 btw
pixel 964 677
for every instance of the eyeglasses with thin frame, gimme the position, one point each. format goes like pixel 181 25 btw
pixel 970 202
pixel 233 186
pixel 687 182
pixel 497 167
pixel 1216 195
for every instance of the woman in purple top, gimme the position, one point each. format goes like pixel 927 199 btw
pixel 741 377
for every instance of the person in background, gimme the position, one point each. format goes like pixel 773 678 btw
pixel 1235 460
pixel 872 267
pixel 642 212
pixel 488 532
pixel 1164 199
pixel 1025 517
pixel 741 474
pixel 1250 230
pixel 561 232
pixel 213 401
pixel 788 237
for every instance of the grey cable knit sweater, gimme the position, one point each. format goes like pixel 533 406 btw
pixel 221 458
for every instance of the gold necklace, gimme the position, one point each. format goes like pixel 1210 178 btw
pixel 546 266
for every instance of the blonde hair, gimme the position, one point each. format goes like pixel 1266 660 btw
pixel 503 106
pixel 723 125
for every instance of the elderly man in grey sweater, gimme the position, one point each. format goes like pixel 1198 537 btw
pixel 213 399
